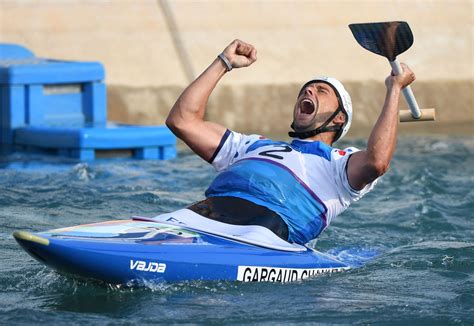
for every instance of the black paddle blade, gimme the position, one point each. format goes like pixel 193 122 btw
pixel 387 39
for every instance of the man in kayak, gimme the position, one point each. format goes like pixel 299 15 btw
pixel 294 189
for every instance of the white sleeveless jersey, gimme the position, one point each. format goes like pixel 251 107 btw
pixel 305 182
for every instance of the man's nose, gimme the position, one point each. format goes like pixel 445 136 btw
pixel 308 91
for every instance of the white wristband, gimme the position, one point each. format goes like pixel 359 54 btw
pixel 225 61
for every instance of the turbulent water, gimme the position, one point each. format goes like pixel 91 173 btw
pixel 417 225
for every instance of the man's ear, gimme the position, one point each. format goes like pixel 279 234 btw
pixel 339 119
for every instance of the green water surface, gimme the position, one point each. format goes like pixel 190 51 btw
pixel 418 221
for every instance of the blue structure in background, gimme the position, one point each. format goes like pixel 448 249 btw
pixel 60 107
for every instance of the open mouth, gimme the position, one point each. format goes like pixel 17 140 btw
pixel 307 106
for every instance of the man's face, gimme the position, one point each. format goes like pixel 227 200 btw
pixel 315 104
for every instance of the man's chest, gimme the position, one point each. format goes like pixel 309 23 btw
pixel 312 170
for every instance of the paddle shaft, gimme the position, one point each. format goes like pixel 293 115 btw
pixel 407 92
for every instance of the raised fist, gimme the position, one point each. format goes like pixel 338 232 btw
pixel 240 54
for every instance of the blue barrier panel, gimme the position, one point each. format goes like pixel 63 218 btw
pixel 61 107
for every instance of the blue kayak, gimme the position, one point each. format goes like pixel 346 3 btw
pixel 168 249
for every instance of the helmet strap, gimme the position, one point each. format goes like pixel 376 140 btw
pixel 319 130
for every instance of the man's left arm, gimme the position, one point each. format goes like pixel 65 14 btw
pixel 366 166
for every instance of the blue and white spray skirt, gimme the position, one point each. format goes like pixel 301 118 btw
pixel 179 246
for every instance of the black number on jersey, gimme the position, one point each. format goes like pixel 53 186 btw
pixel 285 149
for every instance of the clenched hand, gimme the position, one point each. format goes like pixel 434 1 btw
pixel 240 54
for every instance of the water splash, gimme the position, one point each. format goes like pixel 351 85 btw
pixel 83 172
pixel 355 257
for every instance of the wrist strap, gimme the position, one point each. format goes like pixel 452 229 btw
pixel 225 61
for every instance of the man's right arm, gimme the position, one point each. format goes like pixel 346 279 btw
pixel 186 118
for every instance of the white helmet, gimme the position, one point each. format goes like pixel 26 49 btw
pixel 344 100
